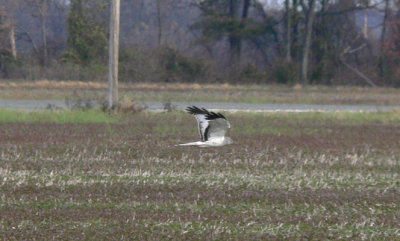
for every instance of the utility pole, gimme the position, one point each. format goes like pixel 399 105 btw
pixel 113 55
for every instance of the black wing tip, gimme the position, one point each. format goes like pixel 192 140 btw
pixel 194 110
pixel 213 116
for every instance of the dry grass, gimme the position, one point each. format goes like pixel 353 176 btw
pixel 206 92
pixel 321 179
pixel 46 84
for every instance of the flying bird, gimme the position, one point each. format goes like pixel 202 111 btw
pixel 212 128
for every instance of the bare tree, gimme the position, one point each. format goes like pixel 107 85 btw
pixel 382 40
pixel 309 13
pixel 235 40
pixel 288 11
pixel 12 40
pixel 365 3
pixel 41 7
pixel 159 21
pixel 12 7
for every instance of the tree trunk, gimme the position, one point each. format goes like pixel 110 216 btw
pixel 12 40
pixel 365 27
pixel 288 56
pixel 12 8
pixel 43 19
pixel 44 39
pixel 245 11
pixel 295 51
pixel 382 40
pixel 309 15
pixel 234 40
pixel 113 55
pixel 159 21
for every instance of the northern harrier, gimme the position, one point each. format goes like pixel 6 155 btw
pixel 212 128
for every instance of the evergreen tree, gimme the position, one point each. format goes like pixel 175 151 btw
pixel 227 20
pixel 87 37
pixel 5 53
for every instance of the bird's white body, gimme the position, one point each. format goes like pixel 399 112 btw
pixel 212 128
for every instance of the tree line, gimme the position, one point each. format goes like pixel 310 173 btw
pixel 332 42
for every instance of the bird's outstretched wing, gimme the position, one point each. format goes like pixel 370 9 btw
pixel 211 124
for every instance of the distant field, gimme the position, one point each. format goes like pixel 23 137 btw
pixel 288 176
pixel 208 92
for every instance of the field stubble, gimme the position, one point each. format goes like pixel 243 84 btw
pixel 285 178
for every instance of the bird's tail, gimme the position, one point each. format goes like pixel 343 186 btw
pixel 197 143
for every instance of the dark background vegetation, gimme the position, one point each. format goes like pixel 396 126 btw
pixel 332 42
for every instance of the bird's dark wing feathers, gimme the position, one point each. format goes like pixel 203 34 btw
pixel 209 122
pixel 209 115
pixel 213 116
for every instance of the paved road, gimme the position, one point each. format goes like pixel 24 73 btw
pixel 32 105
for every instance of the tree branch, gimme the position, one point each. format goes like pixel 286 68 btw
pixel 355 70
pixel 348 50
pixel 347 10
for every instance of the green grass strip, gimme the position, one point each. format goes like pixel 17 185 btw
pixel 256 120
